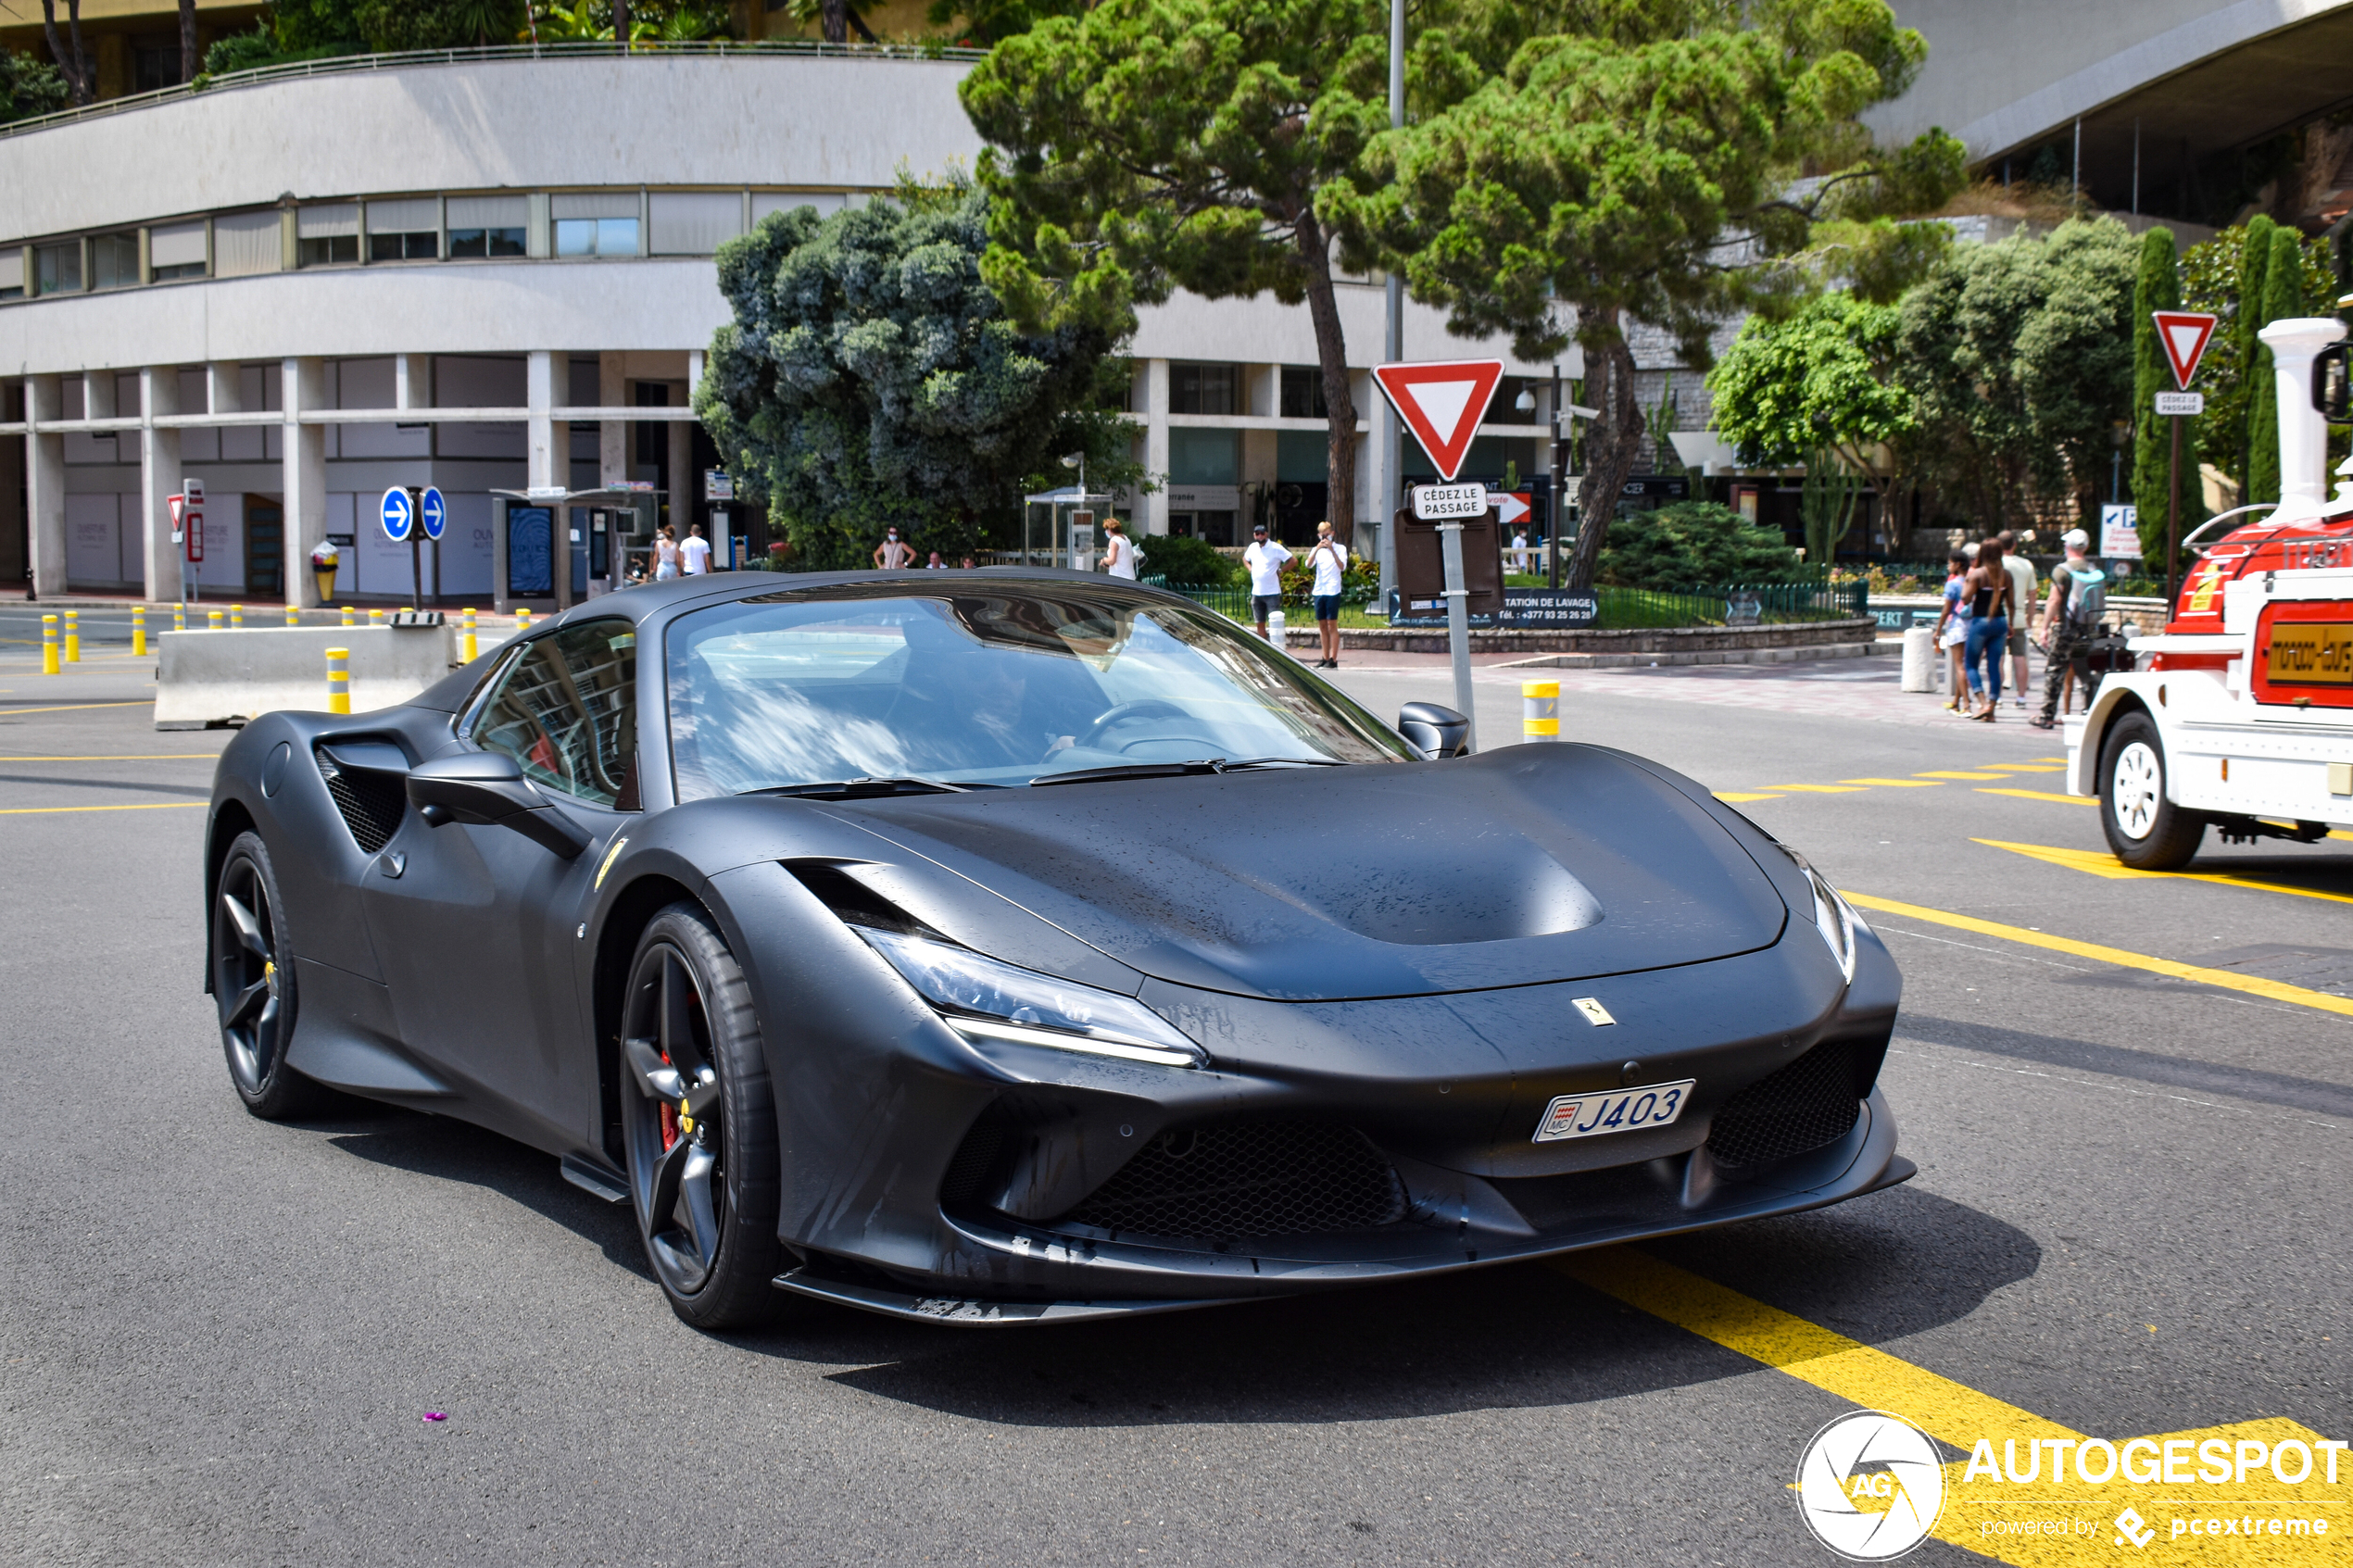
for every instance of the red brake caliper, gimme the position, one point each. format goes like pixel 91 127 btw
pixel 669 1118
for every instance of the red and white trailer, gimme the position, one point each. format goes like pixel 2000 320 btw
pixel 2243 719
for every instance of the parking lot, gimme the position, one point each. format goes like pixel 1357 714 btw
pixel 2128 1096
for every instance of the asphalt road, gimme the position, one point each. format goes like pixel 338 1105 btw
pixel 221 1335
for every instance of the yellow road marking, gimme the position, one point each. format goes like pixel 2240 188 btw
pixel 2025 768
pixel 74 707
pixel 1899 784
pixel 1953 776
pixel 2043 795
pixel 1818 789
pixel 2047 760
pixel 2097 863
pixel 1952 1412
pixel 2224 979
pixel 47 810
pixel 1736 797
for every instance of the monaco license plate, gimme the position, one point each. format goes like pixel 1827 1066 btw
pixel 1614 1110
pixel 2310 653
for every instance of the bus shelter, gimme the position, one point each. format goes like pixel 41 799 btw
pixel 568 545
pixel 1058 527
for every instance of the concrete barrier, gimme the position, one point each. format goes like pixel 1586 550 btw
pixel 208 678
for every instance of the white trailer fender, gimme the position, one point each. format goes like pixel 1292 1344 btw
pixel 2117 692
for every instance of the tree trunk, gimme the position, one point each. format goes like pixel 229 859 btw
pixel 188 61
pixel 1340 401
pixel 75 65
pixel 1612 442
pixel 832 21
pixel 620 24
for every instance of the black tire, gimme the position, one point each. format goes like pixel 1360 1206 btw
pixel 253 981
pixel 699 1121
pixel 2146 829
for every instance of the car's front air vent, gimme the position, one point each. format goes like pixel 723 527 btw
pixel 1802 1106
pixel 1232 1181
pixel 851 900
pixel 372 803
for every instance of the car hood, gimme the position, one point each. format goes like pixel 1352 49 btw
pixel 1524 865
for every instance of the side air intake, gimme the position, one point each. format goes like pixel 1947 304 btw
pixel 372 803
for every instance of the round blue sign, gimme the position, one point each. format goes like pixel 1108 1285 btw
pixel 432 512
pixel 399 515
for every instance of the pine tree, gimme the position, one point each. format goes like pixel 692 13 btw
pixel 2262 419
pixel 2282 297
pixel 2157 288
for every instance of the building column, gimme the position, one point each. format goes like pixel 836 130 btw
pixel 539 394
pixel 304 458
pixel 612 436
pixel 682 479
pixel 225 388
pixel 159 480
pixel 411 381
pixel 45 482
pixel 1156 444
pixel 15 556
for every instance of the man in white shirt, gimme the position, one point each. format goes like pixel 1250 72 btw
pixel 1265 560
pixel 1519 550
pixel 694 554
pixel 2021 573
pixel 1329 557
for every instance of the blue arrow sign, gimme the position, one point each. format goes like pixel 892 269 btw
pixel 432 512
pixel 399 515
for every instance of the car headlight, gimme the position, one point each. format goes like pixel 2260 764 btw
pixel 980 997
pixel 1836 920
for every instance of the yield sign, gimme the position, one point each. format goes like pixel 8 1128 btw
pixel 2184 335
pixel 1442 402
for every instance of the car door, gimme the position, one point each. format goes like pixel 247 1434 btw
pixel 475 930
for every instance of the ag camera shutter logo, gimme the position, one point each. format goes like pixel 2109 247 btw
pixel 1870 1485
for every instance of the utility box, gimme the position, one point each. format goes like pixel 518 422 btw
pixel 1421 565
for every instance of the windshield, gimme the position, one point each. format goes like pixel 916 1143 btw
pixel 984 683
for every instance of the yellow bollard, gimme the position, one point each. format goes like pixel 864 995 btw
pixel 138 630
pixel 294 616
pixel 48 644
pixel 73 639
pixel 376 618
pixel 351 615
pixel 338 679
pixel 1540 710
pixel 468 654
pixel 236 615
pixel 212 620
pixel 522 622
pixel 179 617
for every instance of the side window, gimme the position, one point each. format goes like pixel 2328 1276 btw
pixel 567 711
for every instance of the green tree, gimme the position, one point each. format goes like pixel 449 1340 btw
pixel 1668 164
pixel 871 376
pixel 1693 544
pixel 2282 297
pixel 2262 420
pixel 2075 359
pixel 2158 287
pixel 1822 380
pixel 2228 375
pixel 29 87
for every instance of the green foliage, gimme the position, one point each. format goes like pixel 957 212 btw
pixel 1185 561
pixel 2282 297
pixel 872 376
pixel 1827 504
pixel 2262 420
pixel 1694 543
pixel 30 87
pixel 985 22
pixel 2228 375
pixel 2159 287
pixel 1823 377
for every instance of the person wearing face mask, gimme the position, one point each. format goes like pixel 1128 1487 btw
pixel 894 553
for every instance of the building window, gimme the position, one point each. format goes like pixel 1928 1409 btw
pixel 1203 456
pixel 596 236
pixel 153 68
pixel 58 269
pixel 404 230
pixel 486 242
pixel 1303 393
pixel 327 236
pixel 176 250
pixel 488 226
pixel 407 245
pixel 244 244
pixel 114 261
pixel 12 273
pixel 693 223
pixel 1202 389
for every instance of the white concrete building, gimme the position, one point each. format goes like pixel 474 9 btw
pixel 496 274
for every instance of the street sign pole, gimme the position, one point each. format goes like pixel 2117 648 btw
pixel 2183 334
pixel 1450 544
pixel 2173 513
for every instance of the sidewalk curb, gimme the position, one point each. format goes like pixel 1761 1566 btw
pixel 1726 655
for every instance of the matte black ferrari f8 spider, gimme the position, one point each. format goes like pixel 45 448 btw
pixel 1000 945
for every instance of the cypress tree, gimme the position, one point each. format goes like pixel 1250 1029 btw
pixel 2159 287
pixel 2282 297
pixel 2262 419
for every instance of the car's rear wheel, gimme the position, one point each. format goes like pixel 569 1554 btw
pixel 253 983
pixel 698 1119
pixel 2146 830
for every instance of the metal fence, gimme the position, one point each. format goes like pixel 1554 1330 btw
pixel 1634 609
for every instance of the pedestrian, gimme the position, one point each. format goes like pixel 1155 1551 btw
pixel 1119 556
pixel 1952 624
pixel 665 554
pixel 1987 588
pixel 1519 551
pixel 935 564
pixel 1329 557
pixel 966 563
pixel 2072 618
pixel 1266 559
pixel 2021 572
pixel 894 553
pixel 694 552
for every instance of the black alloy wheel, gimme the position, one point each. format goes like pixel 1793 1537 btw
pixel 254 984
pixel 700 1124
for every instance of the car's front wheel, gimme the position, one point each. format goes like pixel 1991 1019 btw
pixel 699 1122
pixel 2146 829
pixel 253 983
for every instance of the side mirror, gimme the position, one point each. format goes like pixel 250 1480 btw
pixel 1433 732
pixel 2332 386
pixel 488 789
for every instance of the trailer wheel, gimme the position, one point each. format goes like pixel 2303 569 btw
pixel 2146 831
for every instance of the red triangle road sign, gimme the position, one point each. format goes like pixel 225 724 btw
pixel 1442 403
pixel 2184 335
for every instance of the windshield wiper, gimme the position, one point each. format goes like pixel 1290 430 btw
pixel 1178 770
pixel 865 789
pixel 1281 762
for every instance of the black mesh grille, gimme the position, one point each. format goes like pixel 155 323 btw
pixel 960 1187
pixel 1812 1101
pixel 1232 1180
pixel 371 803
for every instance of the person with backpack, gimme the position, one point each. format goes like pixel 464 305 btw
pixel 2072 618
